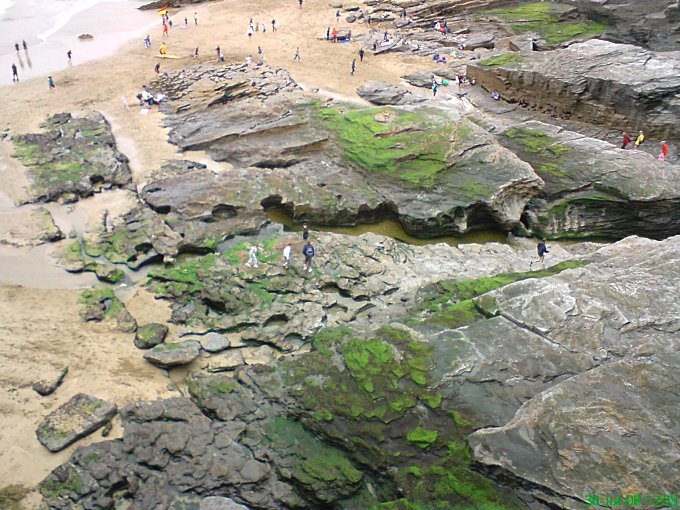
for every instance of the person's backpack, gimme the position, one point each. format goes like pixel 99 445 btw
pixel 308 250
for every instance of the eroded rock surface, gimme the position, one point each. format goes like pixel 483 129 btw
pixel 173 354
pixel 374 160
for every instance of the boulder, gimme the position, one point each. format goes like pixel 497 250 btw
pixel 75 419
pixel 102 305
pixel 419 79
pixel 150 335
pixel 47 387
pixel 596 82
pixel 173 355
pixel 229 360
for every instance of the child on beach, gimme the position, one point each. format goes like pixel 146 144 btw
pixel 51 85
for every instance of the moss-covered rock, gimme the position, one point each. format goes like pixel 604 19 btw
pixel 101 304
pixel 150 335
pixel 72 159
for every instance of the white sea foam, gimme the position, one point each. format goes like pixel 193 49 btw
pixel 5 5
pixel 63 17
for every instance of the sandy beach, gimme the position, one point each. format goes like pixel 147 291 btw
pixel 40 326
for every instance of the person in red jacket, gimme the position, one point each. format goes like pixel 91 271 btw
pixel 626 140
pixel 664 151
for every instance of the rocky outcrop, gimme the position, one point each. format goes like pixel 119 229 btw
pixel 565 433
pixel 598 82
pixel 173 354
pixel 652 25
pixel 374 161
pixel 73 158
pixel 383 93
pixel 593 188
pixel 77 418
pixel 102 305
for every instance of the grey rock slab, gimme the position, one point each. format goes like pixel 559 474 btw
pixel 226 361
pixel 173 354
pixel 214 342
pixel 75 419
pixel 384 93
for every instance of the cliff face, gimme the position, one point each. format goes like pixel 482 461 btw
pixel 651 24
pixel 616 85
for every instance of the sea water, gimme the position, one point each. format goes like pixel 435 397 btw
pixel 51 28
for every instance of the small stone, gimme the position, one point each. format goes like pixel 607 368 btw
pixel 214 342
pixel 48 387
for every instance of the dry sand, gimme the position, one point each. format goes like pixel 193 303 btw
pixel 40 328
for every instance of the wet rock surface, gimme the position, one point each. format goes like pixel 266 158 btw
pixel 77 418
pixel 74 158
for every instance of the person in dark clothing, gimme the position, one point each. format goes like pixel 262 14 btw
pixel 24 45
pixel 16 47
pixel 15 73
pixel 542 249
pixel 305 231
pixel 308 252
pixel 328 33
pixel 361 54
pixel 354 66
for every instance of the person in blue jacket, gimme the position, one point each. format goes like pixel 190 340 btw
pixel 308 252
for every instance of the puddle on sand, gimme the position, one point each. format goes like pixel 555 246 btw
pixel 387 228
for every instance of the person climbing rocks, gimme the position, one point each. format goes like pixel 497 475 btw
pixel 252 256
pixel 51 85
pixel 664 151
pixel 297 55
pixel 542 249
pixel 287 250
pixel 308 252
pixel 639 140
pixel 626 140
pixel 354 66
pixel 361 54
pixel 305 231
pixel 15 73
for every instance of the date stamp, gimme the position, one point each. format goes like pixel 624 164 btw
pixel 632 500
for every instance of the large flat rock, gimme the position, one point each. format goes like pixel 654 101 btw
pixel 598 82
pixel 75 419
pixel 333 164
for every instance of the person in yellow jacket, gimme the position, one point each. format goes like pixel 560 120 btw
pixel 639 140
pixel 164 51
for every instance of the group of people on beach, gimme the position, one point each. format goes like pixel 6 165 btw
pixel 308 252
pixel 15 69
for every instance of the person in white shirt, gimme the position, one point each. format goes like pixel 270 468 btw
pixel 286 255
pixel 252 256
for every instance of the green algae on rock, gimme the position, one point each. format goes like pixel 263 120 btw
pixel 72 159
pixel 101 304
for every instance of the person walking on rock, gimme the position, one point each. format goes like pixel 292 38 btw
pixel 361 55
pixel 308 252
pixel 542 249
pixel 252 256
pixel 664 151
pixel 626 140
pixel 639 140
pixel 287 251
pixel 15 73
